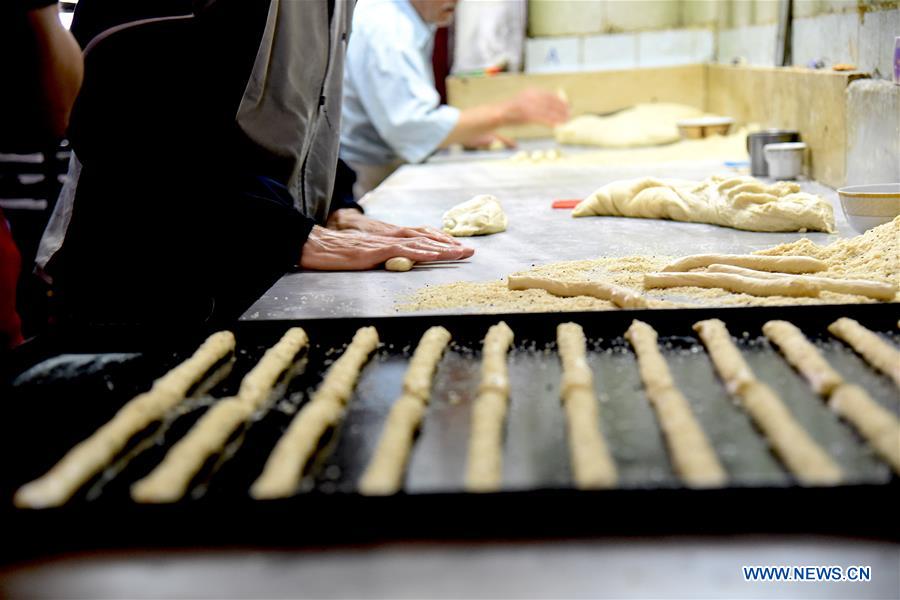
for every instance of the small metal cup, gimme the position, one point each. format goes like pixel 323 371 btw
pixel 757 141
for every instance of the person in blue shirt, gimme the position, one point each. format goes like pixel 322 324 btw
pixel 392 112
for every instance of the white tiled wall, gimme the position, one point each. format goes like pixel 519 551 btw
pixel 754 44
pixel 619 51
pixel 553 55
pixel 616 51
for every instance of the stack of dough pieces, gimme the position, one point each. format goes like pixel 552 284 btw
pixel 592 465
pixel 284 468
pixel 739 202
pixel 809 463
pixel 169 481
pixel 384 474
pixel 93 454
pixel 692 455
pixel 873 422
pixel 485 462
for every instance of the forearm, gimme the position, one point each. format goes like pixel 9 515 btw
pixel 477 121
pixel 61 68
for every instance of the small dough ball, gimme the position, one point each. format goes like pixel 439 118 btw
pixel 399 263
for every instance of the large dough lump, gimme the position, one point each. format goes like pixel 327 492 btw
pixel 738 202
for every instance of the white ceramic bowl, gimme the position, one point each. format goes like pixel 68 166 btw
pixel 867 206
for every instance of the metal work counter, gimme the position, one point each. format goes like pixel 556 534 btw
pixel 537 234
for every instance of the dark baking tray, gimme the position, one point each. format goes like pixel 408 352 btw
pixel 50 406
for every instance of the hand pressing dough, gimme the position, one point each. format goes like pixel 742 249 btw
pixel 692 455
pixel 169 481
pixel 737 202
pixel 733 283
pixel 90 456
pixel 858 287
pixel 874 422
pixel 284 467
pixel 622 297
pixel 399 264
pixel 482 215
pixel 780 264
pixel 384 475
pixel 803 356
pixel 809 463
pixel 484 468
pixel 877 351
pixel 592 464
pixel 640 125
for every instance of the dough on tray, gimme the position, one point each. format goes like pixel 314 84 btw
pixel 809 463
pixel 284 467
pixel 93 454
pixel 692 455
pixel 803 356
pixel 877 351
pixel 592 464
pixel 484 468
pixel 482 215
pixel 739 202
pixel 169 481
pixel 384 475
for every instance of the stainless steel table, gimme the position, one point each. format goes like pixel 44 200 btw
pixel 537 234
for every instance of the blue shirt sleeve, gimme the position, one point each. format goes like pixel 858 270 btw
pixel 398 92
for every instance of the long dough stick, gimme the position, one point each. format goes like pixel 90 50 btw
pixel 622 297
pixel 732 283
pixel 799 452
pixel 384 475
pixel 859 287
pixel 780 264
pixel 169 481
pixel 692 454
pixel 90 456
pixel 878 352
pixel 592 465
pixel 485 461
pixel 803 356
pixel 874 423
pixel 284 467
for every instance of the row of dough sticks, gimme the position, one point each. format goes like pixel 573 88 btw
pixel 757 275
pixel 691 453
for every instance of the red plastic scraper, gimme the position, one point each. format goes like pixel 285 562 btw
pixel 566 203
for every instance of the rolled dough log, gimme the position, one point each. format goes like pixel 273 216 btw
pixel 803 356
pixel 592 464
pixel 732 283
pixel 622 297
pixel 384 475
pixel 809 463
pixel 284 467
pixel 859 287
pixel 876 424
pixel 877 351
pixel 737 202
pixel 485 460
pixel 90 456
pixel 169 481
pixel 482 215
pixel 780 264
pixel 399 264
pixel 692 455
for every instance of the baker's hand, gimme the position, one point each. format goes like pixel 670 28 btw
pixel 538 106
pixel 350 219
pixel 353 250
